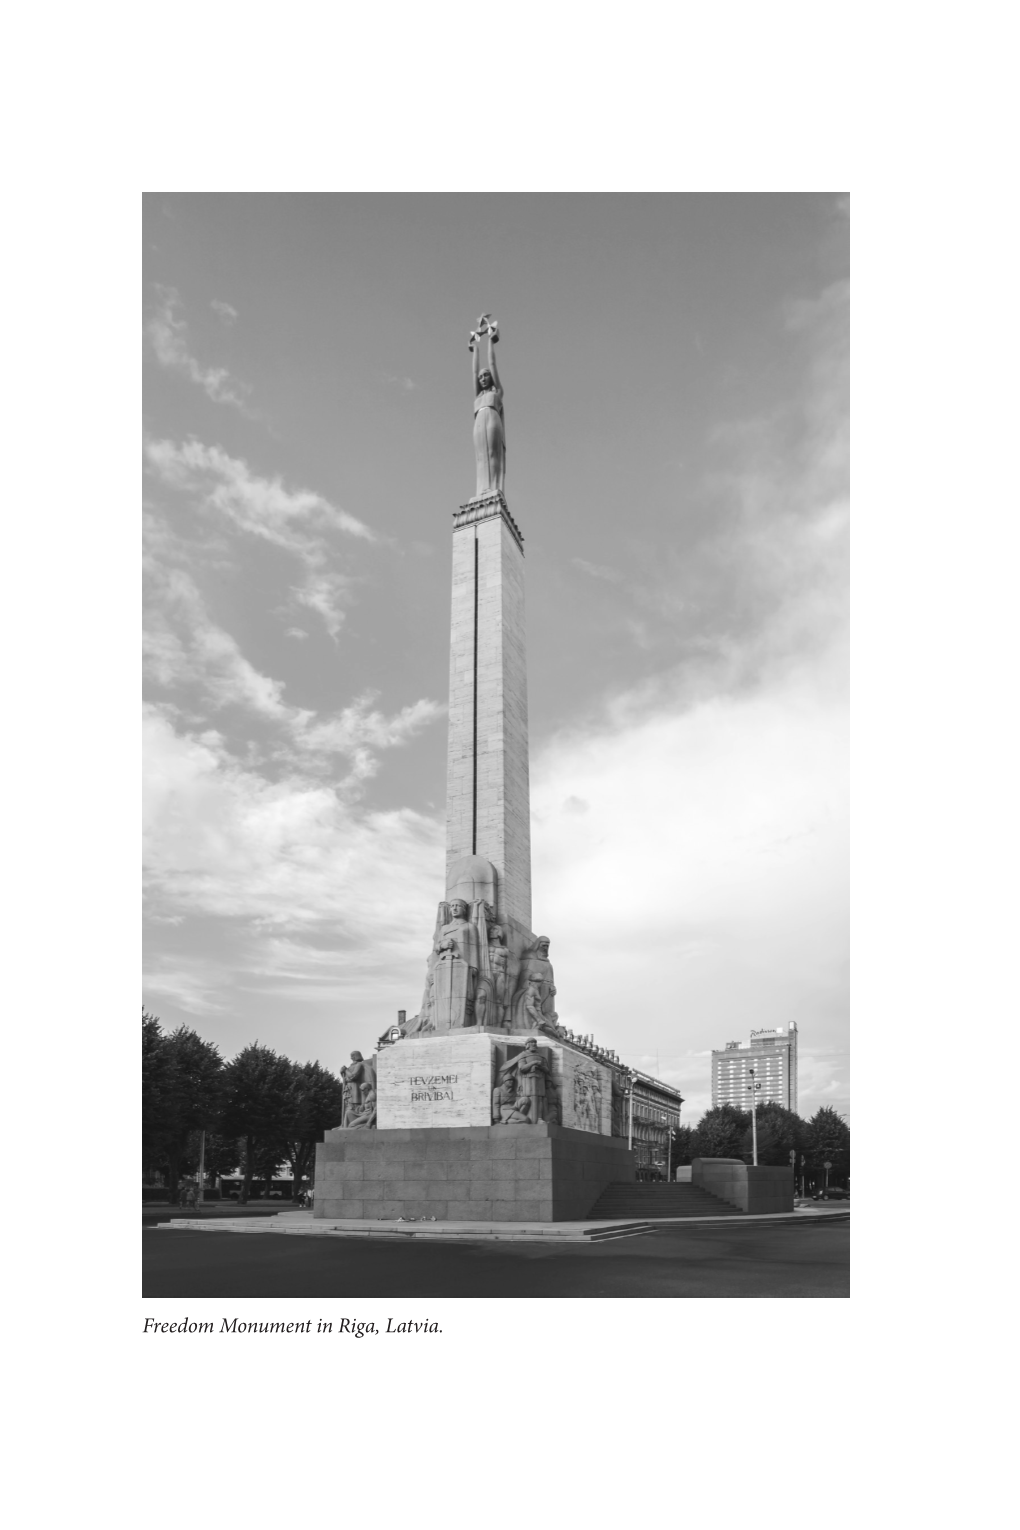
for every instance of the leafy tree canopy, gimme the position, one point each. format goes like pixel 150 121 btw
pixel 259 1109
pixel 258 1093
pixel 720 1133
pixel 682 1138
pixel 779 1131
pixel 827 1136
pixel 157 1090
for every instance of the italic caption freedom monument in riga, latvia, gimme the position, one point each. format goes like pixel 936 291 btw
pixel 483 1106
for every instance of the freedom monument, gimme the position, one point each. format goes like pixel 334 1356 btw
pixel 483 1106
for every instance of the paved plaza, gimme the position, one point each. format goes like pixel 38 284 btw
pixel 751 1260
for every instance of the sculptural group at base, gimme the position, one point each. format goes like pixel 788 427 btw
pixel 359 1092
pixel 525 1091
pixel 482 971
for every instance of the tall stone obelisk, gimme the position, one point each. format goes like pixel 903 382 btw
pixel 487 797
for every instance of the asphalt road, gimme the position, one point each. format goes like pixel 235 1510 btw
pixel 781 1259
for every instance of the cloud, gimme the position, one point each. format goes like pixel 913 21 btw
pixel 752 574
pixel 261 506
pixel 300 521
pixel 705 891
pixel 224 311
pixel 405 384
pixel 325 592
pixel 598 570
pixel 168 334
pixel 289 856
pixel 189 985
pixel 183 646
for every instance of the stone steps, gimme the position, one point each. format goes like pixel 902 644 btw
pixel 637 1200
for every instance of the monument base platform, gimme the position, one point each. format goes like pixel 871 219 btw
pixel 540 1173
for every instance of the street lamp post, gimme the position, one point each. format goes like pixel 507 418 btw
pixel 630 1111
pixel 754 1087
pixel 201 1171
pixel 669 1148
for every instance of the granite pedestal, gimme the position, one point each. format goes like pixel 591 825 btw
pixel 539 1173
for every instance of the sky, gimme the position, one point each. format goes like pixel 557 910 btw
pixel 675 374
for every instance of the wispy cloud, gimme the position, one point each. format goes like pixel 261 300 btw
pixel 193 986
pixel 184 647
pixel 299 521
pixel 224 311
pixel 168 334
pixel 755 575
pixel 221 840
pixel 181 645
pixel 598 570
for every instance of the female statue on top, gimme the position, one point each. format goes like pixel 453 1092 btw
pixel 490 437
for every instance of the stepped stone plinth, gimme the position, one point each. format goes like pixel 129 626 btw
pixel 540 1173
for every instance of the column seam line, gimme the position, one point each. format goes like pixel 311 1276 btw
pixel 474 710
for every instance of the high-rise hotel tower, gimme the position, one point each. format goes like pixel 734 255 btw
pixel 772 1054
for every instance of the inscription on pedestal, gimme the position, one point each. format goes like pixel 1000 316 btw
pixel 438 1081
pixel 436 1087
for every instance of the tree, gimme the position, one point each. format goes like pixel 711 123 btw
pixel 223 1154
pixel 258 1109
pixel 157 1079
pixel 195 1096
pixel 827 1138
pixel 181 1094
pixel 720 1133
pixel 681 1148
pixel 780 1131
pixel 316 1107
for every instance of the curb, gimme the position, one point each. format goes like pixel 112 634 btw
pixel 504 1233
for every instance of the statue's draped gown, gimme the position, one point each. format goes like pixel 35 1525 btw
pixel 490 442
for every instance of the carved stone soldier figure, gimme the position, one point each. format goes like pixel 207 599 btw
pixel 498 960
pixel 535 964
pixel 490 999
pixel 355 1077
pixel 534 1100
pixel 503 1097
pixel 458 957
pixel 533 1001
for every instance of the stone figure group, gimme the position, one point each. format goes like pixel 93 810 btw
pixel 535 991
pixel 587 1101
pixel 358 1092
pixel 483 971
pixel 525 1092
pixel 475 978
